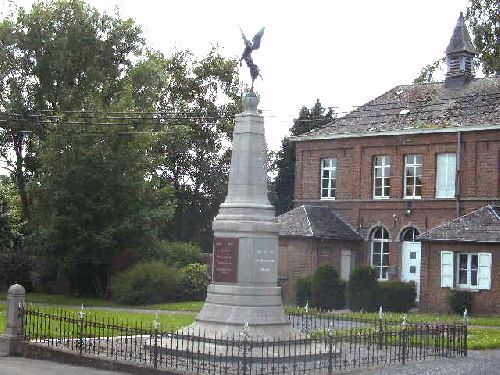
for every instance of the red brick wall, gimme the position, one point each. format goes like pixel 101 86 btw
pixel 300 257
pixel 479 180
pixel 433 297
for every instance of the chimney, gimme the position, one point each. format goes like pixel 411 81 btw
pixel 459 55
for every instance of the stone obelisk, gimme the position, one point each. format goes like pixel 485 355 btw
pixel 244 287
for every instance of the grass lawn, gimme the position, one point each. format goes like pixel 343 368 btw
pixel 483 338
pixel 2 318
pixel 168 322
pixel 63 300
pixel 417 317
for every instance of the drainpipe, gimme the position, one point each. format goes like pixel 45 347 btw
pixel 457 174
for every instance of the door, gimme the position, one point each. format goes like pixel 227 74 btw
pixel 410 263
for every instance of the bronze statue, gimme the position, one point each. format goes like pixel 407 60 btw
pixel 247 53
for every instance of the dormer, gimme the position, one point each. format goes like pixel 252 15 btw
pixel 459 55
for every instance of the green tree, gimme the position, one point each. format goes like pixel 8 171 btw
pixel 60 55
pixel 427 73
pixel 283 185
pixel 191 145
pixel 94 200
pixel 484 23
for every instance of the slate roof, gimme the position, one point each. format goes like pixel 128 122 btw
pixel 481 225
pixel 460 39
pixel 315 222
pixel 420 108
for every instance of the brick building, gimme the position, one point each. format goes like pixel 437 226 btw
pixel 400 165
pixel 463 254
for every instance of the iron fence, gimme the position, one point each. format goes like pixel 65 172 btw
pixel 322 345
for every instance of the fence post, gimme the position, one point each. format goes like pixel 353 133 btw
pixel 404 333
pixel 10 342
pixel 466 322
pixel 380 328
pixel 80 333
pixel 330 351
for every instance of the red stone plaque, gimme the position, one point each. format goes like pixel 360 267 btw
pixel 225 260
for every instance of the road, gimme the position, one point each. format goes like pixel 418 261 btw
pixel 477 363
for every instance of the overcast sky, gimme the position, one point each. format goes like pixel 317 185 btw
pixel 343 52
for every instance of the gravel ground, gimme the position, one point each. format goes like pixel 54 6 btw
pixel 485 362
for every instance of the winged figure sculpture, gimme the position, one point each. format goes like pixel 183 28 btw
pixel 251 46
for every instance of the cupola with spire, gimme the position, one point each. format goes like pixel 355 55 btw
pixel 459 55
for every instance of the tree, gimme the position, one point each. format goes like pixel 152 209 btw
pixel 61 55
pixel 427 73
pixel 191 144
pixel 283 185
pixel 484 24
pixel 94 200
pixel 482 16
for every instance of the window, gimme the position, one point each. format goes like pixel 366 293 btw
pixel 380 252
pixel 413 176
pixel 328 178
pixel 445 175
pixel 410 234
pixel 465 270
pixel 381 177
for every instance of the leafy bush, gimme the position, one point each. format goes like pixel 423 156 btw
pixel 397 296
pixel 15 267
pixel 362 289
pixel 327 290
pixel 194 279
pixel 144 283
pixel 460 300
pixel 178 254
pixel 303 290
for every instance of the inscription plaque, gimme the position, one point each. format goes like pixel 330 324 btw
pixel 225 260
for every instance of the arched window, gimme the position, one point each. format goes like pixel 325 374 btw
pixel 380 252
pixel 410 234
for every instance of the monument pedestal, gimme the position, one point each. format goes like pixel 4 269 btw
pixel 245 263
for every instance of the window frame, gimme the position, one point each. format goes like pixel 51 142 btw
pixel 448 173
pixel 384 245
pixel 414 167
pixel 468 270
pixel 386 179
pixel 332 176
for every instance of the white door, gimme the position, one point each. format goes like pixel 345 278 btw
pixel 410 263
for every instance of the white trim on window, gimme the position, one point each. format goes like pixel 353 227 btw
pixel 381 177
pixel 379 246
pixel 328 179
pixel 413 177
pixel 466 271
pixel 446 168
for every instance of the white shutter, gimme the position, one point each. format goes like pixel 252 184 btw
pixel 484 271
pixel 446 269
pixel 445 175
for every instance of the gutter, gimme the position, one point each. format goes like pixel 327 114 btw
pixel 395 132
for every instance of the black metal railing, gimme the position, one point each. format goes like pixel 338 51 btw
pixel 323 345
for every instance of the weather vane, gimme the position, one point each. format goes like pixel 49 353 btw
pixel 247 53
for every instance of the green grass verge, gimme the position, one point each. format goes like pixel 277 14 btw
pixel 483 320
pixel 2 318
pixel 483 338
pixel 194 306
pixel 63 300
pixel 118 318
